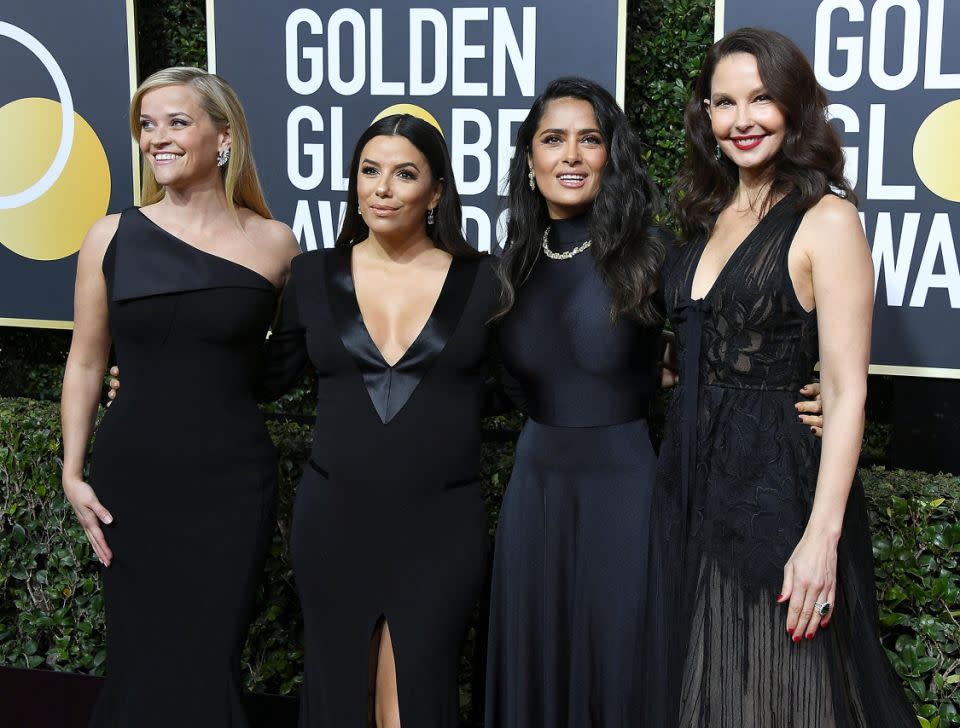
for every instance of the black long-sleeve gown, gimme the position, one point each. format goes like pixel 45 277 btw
pixel 189 474
pixel 389 522
pixel 566 643
pixel 735 487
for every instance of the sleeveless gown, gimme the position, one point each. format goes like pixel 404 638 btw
pixel 389 522
pixel 184 463
pixel 565 632
pixel 735 486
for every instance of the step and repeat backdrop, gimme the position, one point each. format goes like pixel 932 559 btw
pixel 313 78
pixel 313 75
pixel 892 72
pixel 68 72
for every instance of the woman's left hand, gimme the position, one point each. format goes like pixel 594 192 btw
pixel 810 578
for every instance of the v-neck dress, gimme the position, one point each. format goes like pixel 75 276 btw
pixel 735 487
pixel 188 472
pixel 389 521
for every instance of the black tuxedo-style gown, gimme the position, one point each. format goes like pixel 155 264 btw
pixel 389 522
pixel 735 487
pixel 566 642
pixel 184 463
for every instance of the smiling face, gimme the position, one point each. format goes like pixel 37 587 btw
pixel 395 187
pixel 567 156
pixel 178 138
pixel 748 124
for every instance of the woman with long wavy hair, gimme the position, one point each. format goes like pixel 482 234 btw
pixel 579 328
pixel 761 536
pixel 183 288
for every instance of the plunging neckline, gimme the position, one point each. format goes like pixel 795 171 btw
pixel 207 253
pixel 742 244
pixel 420 331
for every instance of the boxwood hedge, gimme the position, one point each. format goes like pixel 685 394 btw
pixel 51 605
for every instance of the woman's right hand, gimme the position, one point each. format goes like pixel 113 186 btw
pixel 91 513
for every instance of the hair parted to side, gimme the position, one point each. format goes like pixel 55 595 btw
pixel 447 230
pixel 810 161
pixel 627 247
pixel 220 102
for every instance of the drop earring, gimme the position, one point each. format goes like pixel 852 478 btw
pixel 430 216
pixel 532 180
pixel 717 153
pixel 223 156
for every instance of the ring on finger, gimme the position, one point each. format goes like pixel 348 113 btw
pixel 822 608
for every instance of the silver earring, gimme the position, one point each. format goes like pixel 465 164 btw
pixel 223 156
pixel 430 216
pixel 359 211
pixel 532 180
pixel 717 153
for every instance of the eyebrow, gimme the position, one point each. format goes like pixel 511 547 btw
pixel 399 166
pixel 757 90
pixel 564 131
pixel 169 116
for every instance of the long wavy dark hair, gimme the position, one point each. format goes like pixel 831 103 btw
pixel 627 248
pixel 447 230
pixel 810 161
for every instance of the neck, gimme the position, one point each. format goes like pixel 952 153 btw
pixel 753 185
pixel 202 202
pixel 400 248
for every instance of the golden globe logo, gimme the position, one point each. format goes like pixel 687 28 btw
pixel 55 179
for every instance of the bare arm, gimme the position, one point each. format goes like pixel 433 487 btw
pixel 82 380
pixel 841 272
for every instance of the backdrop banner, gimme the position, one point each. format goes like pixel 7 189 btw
pixel 893 76
pixel 68 69
pixel 312 76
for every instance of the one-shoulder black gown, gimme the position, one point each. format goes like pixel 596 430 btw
pixel 389 521
pixel 184 463
pixel 565 637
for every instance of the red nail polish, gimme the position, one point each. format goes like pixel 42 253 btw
pixel 796 638
pixel 779 597
pixel 810 636
pixel 824 625
pixel 789 630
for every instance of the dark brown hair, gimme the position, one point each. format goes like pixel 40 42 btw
pixel 627 247
pixel 810 161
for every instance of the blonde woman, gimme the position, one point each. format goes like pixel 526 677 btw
pixel 182 479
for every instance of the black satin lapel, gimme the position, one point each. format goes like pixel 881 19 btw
pixel 433 338
pixel 353 332
pixel 391 387
pixel 148 261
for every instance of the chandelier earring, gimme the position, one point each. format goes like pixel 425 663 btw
pixel 223 156
pixel 532 180
pixel 430 216
pixel 717 153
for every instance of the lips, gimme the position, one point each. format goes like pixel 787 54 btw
pixel 383 210
pixel 165 157
pixel 572 180
pixel 745 143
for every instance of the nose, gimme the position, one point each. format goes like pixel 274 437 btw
pixel 571 150
pixel 744 119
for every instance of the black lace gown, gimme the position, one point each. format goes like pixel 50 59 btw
pixel 735 487
pixel 184 463
pixel 565 633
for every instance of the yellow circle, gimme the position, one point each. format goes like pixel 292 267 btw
pixel 413 110
pixel 936 154
pixel 53 225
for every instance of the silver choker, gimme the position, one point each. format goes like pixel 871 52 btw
pixel 567 254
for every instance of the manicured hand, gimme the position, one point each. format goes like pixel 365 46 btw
pixel 810 576
pixel 811 409
pixel 114 384
pixel 91 513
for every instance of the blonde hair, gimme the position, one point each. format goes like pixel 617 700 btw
pixel 219 100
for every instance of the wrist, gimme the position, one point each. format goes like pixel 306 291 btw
pixel 827 530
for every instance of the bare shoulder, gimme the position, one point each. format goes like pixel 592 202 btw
pixel 274 235
pixel 99 236
pixel 833 210
pixel 831 223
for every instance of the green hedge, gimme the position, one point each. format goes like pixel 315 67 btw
pixel 51 604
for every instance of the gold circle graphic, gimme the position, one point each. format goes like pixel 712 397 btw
pixel 52 226
pixel 936 154
pixel 413 110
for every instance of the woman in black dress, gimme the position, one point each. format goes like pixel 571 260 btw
pixel 579 332
pixel 762 537
pixel 184 287
pixel 389 539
